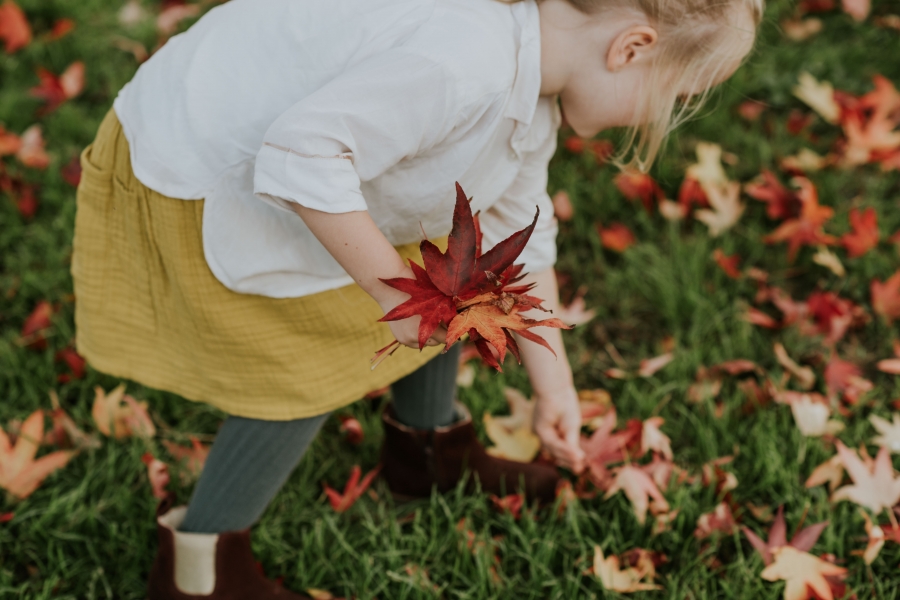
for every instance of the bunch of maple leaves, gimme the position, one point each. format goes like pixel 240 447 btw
pixel 470 292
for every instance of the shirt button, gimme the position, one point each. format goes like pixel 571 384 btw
pixel 512 155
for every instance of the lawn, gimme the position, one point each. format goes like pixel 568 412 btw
pixel 88 531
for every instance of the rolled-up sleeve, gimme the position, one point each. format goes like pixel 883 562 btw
pixel 515 210
pixel 389 107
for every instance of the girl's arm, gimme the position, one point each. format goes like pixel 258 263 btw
pixel 557 418
pixel 361 249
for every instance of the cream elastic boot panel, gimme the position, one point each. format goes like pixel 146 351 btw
pixel 195 555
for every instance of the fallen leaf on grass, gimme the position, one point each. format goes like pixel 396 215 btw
pixel 639 186
pixel 54 90
pixel 352 429
pixel 805 376
pixel 65 433
pixel 889 432
pixel 35 326
pixel 876 539
pixel 864 235
pixel 805 161
pixel 830 261
pixel 639 489
pixel 875 488
pixel 831 471
pixel 811 413
pixel 511 504
pixel 833 315
pixel 819 96
pixel 802 572
pixel 650 366
pixel 31 152
pixel 77 365
pixel 617 237
pixel 726 207
pixel 654 439
pixel 807 228
pixel 844 379
pixel 118 415
pixel 718 521
pixel 858 9
pixel 193 457
pixel 886 297
pixel 592 404
pixel 750 110
pixel 131 13
pixel 168 20
pixel 799 30
pixel 729 264
pixel 803 540
pixel 520 445
pixel 14 28
pixel 157 473
pixel 20 473
pixel 620 580
pixel 781 203
pixel 60 29
pixel 353 489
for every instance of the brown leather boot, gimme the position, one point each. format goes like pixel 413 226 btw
pixel 414 460
pixel 194 566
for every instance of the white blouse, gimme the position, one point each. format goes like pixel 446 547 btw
pixel 345 105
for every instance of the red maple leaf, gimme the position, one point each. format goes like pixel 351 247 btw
pixel 807 228
pixel 36 324
pixel 469 291
pixel 61 28
pixel 75 363
pixel 639 186
pixel 729 264
pixel 14 28
pixel 781 203
pixel 353 489
pixel 691 193
pixel 865 234
pixel 803 540
pixel 833 315
pixel 54 90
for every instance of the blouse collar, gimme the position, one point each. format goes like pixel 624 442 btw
pixel 527 85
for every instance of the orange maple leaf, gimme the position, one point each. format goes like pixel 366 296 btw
pixel 20 473
pixel 14 28
pixel 639 488
pixel 865 234
pixel 353 489
pixel 886 297
pixel 639 186
pixel 617 237
pixel 491 323
pixel 729 264
pixel 807 228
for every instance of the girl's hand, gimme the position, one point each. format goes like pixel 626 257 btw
pixel 406 331
pixel 557 422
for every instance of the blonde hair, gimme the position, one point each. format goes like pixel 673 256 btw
pixel 696 44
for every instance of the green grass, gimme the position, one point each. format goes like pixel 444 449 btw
pixel 88 532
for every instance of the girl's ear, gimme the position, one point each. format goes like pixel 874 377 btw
pixel 632 45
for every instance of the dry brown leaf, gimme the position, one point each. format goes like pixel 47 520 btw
pixel 513 436
pixel 620 580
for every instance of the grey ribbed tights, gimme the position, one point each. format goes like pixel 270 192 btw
pixel 251 458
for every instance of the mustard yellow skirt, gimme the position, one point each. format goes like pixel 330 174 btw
pixel 149 309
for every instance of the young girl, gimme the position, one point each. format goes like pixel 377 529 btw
pixel 264 170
